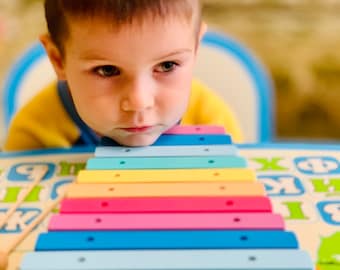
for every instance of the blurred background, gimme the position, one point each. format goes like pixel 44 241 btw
pixel 298 41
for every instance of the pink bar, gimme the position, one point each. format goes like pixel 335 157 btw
pixel 261 221
pixel 197 129
pixel 166 205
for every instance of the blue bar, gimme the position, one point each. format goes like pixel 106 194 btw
pixel 275 259
pixel 166 239
pixel 120 163
pixel 168 151
pixel 172 140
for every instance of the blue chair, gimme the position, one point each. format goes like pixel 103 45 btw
pixel 233 72
pixel 223 64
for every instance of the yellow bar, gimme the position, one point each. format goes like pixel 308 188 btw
pixel 165 189
pixel 177 175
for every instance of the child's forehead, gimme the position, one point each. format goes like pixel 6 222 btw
pixel 98 28
pixel 151 40
pixel 94 26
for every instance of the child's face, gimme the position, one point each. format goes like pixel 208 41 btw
pixel 133 84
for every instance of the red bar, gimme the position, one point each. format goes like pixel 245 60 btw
pixel 167 205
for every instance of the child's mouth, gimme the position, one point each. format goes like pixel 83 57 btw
pixel 137 129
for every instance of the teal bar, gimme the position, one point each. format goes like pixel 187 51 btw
pixel 250 259
pixel 121 163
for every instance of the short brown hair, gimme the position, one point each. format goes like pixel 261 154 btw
pixel 119 12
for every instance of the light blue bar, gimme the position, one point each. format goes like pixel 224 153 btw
pixel 168 151
pixel 275 259
pixel 120 163
pixel 175 140
pixel 166 239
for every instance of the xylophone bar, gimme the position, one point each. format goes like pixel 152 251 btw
pixel 168 221
pixel 114 163
pixel 169 151
pixel 166 205
pixel 175 175
pixel 187 139
pixel 196 129
pixel 169 260
pixel 165 189
pixel 166 239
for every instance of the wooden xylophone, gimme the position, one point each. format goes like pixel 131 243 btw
pixel 187 202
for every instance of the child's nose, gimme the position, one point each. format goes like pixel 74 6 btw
pixel 138 97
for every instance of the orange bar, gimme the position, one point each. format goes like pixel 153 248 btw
pixel 165 189
pixel 172 175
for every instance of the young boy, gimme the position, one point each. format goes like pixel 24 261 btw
pixel 124 71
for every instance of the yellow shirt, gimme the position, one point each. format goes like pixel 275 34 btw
pixel 45 123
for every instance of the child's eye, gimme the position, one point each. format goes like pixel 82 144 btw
pixel 167 66
pixel 107 71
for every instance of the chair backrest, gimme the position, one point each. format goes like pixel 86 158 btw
pixel 30 73
pixel 223 64
pixel 238 77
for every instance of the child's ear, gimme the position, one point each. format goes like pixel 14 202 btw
pixel 203 30
pixel 54 55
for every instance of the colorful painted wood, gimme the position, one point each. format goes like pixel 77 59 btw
pixel 169 151
pixel 166 205
pixel 175 189
pixel 114 163
pixel 196 129
pixel 187 202
pixel 166 221
pixel 162 175
pixel 166 239
pixel 186 139
pixel 204 259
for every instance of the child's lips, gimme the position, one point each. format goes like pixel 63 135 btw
pixel 137 129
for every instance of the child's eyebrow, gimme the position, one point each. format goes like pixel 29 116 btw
pixel 180 51
pixel 90 56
